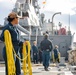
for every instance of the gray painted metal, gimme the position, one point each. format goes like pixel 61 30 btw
pixel 1 48
pixel 63 41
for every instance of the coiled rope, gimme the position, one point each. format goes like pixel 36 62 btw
pixel 10 60
pixel 27 63
pixel 9 53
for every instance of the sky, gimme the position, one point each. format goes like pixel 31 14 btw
pixel 66 7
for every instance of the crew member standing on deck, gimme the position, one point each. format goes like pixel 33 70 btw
pixel 11 27
pixel 35 52
pixel 46 47
pixel 56 54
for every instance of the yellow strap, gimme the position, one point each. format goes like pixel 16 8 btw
pixel 53 57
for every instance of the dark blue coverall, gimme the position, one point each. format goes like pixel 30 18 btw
pixel 16 44
pixel 46 47
pixel 56 51
pixel 40 55
pixel 35 54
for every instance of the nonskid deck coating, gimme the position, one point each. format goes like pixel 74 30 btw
pixel 38 69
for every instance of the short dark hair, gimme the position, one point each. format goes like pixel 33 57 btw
pixel 46 36
pixel 10 19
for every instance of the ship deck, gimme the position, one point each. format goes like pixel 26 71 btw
pixel 38 69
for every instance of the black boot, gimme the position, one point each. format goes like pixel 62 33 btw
pixel 46 68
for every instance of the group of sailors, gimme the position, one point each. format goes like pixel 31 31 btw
pixel 42 54
pixel 37 53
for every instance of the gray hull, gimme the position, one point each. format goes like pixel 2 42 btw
pixel 63 41
pixel 1 48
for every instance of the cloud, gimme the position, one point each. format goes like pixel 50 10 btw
pixel 8 1
pixel 65 6
pixel 6 7
pixel 0 0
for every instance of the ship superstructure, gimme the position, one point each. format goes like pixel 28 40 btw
pixel 33 21
pixel 28 10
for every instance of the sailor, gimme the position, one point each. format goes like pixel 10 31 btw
pixel 35 52
pixel 12 28
pixel 56 54
pixel 46 47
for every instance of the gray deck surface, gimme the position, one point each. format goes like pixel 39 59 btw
pixel 39 70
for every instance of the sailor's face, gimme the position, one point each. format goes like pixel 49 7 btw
pixel 16 20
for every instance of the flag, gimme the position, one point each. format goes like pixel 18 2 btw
pixel 44 2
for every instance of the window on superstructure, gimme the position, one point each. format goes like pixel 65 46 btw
pixel 26 1
pixel 25 14
pixel 19 13
pixel 21 5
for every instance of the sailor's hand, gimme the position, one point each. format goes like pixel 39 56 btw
pixel 25 42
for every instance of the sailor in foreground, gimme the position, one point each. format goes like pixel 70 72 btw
pixel 11 27
pixel 46 47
